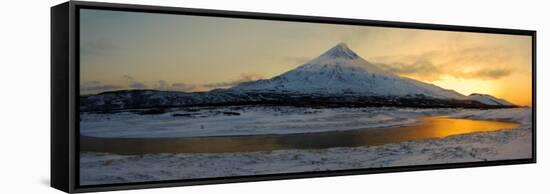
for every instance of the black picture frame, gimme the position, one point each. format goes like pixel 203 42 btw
pixel 65 85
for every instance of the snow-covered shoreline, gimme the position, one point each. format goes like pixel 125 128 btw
pixel 519 115
pixel 103 168
pixel 248 120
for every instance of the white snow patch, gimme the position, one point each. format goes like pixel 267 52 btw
pixel 520 115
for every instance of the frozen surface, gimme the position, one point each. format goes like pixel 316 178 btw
pixel 102 168
pixel 246 120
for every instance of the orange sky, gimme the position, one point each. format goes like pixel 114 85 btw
pixel 125 50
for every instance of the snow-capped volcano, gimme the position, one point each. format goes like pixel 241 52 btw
pixel 338 77
pixel 341 71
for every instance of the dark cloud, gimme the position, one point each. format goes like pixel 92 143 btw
pixel 486 74
pixel 494 73
pixel 243 78
pixel 97 87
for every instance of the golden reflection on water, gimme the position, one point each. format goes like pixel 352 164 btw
pixel 438 127
pixel 429 128
pixel 432 127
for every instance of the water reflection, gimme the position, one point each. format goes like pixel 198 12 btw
pixel 430 127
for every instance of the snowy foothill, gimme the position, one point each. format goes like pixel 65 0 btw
pixel 102 168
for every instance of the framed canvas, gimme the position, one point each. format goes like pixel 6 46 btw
pixel 148 96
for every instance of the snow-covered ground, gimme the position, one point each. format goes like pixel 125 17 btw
pixel 247 120
pixel 519 115
pixel 104 168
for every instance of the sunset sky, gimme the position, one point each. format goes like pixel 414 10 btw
pixel 131 50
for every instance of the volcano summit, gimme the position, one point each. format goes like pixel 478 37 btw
pixel 338 77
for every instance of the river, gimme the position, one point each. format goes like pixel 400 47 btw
pixel 428 128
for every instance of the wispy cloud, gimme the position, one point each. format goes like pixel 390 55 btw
pixel 183 87
pixel 471 63
pixel 96 87
pixel 243 78
pixel 137 85
pixel 128 77
pixel 486 74
pixel 133 84
pixel 420 68
pixel 166 86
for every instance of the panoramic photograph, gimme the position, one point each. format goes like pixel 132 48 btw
pixel 177 97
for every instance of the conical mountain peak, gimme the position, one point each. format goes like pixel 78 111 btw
pixel 341 56
pixel 340 70
pixel 341 50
